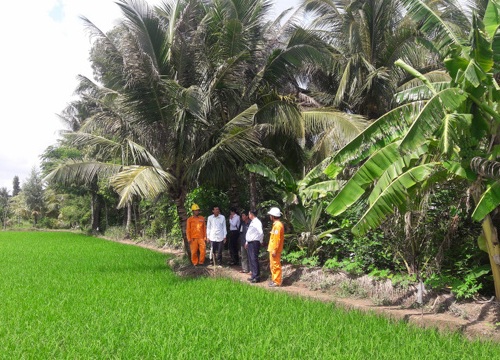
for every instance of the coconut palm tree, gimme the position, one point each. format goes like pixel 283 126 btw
pixel 198 86
pixel 366 38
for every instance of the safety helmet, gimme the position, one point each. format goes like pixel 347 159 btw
pixel 195 207
pixel 274 211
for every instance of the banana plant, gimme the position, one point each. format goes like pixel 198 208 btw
pixel 297 191
pixel 435 137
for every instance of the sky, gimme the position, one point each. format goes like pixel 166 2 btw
pixel 44 48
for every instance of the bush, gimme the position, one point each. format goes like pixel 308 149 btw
pixel 47 223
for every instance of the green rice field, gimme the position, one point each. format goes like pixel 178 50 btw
pixel 70 296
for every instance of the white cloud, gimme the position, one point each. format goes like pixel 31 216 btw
pixel 44 48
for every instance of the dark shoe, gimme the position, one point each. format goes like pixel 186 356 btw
pixel 250 279
pixel 254 281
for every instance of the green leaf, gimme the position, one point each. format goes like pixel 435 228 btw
pixel 451 129
pixel 386 129
pixel 489 201
pixel 81 172
pixel 419 93
pixel 431 117
pixel 400 165
pixel 491 18
pixel 371 170
pixel 431 23
pixel 456 65
pixel 395 195
pixel 262 170
pixel 481 51
pixel 333 170
pixel 481 242
pixel 457 169
pixel 145 182
pixel 471 74
pixel 321 189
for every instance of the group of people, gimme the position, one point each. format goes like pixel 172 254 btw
pixel 246 236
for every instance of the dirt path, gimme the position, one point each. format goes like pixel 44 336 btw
pixel 476 320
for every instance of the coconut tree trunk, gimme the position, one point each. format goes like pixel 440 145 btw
pixel 129 221
pixel 183 216
pixel 96 205
pixel 234 196
pixel 253 190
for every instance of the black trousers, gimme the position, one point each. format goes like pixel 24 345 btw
pixel 217 247
pixel 253 258
pixel 234 246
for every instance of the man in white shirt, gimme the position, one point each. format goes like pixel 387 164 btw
pixel 216 234
pixel 234 232
pixel 254 238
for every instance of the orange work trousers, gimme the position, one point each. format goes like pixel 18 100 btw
pixel 198 245
pixel 275 265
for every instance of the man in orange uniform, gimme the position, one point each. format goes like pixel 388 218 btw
pixel 196 233
pixel 275 247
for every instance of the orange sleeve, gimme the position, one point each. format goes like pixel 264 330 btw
pixel 188 229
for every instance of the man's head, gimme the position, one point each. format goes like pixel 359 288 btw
pixel 274 213
pixel 244 215
pixel 252 214
pixel 233 211
pixel 216 210
pixel 195 209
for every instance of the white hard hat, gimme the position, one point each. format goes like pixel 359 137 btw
pixel 274 211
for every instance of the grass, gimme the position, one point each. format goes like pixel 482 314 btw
pixel 71 296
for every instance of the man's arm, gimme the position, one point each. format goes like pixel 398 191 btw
pixel 209 228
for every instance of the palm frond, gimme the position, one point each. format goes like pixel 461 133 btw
pixel 145 182
pixel 283 115
pixel 345 125
pixel 104 145
pixel 140 154
pixel 237 143
pixel 81 172
pixel 431 23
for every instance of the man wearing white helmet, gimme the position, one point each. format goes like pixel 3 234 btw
pixel 275 247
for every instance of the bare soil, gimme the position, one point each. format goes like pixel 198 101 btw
pixel 476 319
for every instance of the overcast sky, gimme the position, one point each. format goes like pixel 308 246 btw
pixel 44 48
